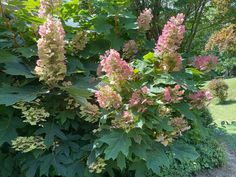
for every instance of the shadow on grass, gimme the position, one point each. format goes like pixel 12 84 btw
pixel 227 134
pixel 227 102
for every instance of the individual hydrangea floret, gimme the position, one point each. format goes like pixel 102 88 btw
pixel 47 7
pixel 98 166
pixel 140 100
pixel 206 63
pixel 34 114
pixel 125 122
pixel 90 112
pixel 27 144
pixel 78 42
pixel 173 95
pixel 71 103
pixel 130 49
pixel 144 19
pixel 171 62
pixel 180 125
pixel 117 70
pixel 199 99
pixel 128 117
pixel 108 98
pixel 51 66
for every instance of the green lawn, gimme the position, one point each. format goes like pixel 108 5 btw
pixel 226 112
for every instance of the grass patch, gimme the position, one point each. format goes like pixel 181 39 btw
pixel 227 110
pixel 224 114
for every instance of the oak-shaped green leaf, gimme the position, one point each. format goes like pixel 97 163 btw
pixel 184 152
pixel 8 126
pixel 7 57
pixel 140 168
pixel 157 158
pixel 121 161
pixel 101 25
pixel 27 52
pixel 10 95
pixel 184 109
pixel 17 69
pixel 117 141
pixel 51 130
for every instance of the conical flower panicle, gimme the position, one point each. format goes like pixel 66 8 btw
pixel 117 70
pixel 51 66
pixel 144 19
pixel 169 42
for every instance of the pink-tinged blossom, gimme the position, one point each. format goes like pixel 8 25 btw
pixel 108 98
pixel 173 95
pixel 167 94
pixel 205 63
pixel 144 89
pixel 144 19
pixel 171 62
pixel 168 44
pixel 199 99
pixel 117 70
pixel 47 7
pixel 128 117
pixel 172 35
pixel 140 99
pixel 51 67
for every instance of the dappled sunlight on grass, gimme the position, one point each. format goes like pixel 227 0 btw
pixel 224 115
pixel 225 111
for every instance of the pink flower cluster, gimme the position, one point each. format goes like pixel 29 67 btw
pixel 172 35
pixel 205 63
pixel 47 6
pixel 173 95
pixel 199 99
pixel 144 19
pixel 128 117
pixel 51 66
pixel 108 98
pixel 169 42
pixel 139 98
pixel 117 70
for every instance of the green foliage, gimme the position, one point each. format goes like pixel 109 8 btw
pixel 211 155
pixel 219 88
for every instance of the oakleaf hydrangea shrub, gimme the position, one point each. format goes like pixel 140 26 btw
pixel 133 100
pixel 219 89
pixel 83 101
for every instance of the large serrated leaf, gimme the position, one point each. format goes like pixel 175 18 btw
pixel 10 95
pixel 118 141
pixel 184 152
pixel 184 109
pixel 8 129
pixel 7 57
pixel 140 168
pixel 17 69
pixel 51 130
pixel 156 159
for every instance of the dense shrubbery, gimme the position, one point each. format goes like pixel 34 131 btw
pixel 211 155
pixel 66 113
pixel 219 89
